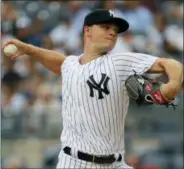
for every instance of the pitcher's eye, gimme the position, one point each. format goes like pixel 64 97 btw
pixel 115 29
pixel 105 26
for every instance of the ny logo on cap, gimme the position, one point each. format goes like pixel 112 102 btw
pixel 111 13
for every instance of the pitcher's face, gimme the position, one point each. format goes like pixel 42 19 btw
pixel 102 36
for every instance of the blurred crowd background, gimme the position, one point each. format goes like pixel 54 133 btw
pixel 31 120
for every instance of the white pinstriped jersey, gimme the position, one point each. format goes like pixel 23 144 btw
pixel 95 101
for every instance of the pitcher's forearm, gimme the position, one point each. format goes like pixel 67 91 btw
pixel 50 59
pixel 174 71
pixel 170 90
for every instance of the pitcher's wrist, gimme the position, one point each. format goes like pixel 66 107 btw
pixel 169 90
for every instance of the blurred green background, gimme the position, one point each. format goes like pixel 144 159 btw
pixel 31 120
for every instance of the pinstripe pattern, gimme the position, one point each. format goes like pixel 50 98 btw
pixel 92 125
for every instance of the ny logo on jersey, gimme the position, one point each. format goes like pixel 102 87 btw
pixel 98 86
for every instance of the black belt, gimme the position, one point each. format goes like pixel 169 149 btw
pixel 95 159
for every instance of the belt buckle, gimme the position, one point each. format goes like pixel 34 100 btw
pixel 94 156
pixel 93 161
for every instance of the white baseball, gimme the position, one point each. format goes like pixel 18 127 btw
pixel 10 50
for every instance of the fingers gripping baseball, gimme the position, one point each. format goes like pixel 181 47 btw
pixel 13 48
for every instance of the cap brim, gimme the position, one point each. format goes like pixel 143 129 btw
pixel 122 24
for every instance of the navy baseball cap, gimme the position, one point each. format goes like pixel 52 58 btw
pixel 100 16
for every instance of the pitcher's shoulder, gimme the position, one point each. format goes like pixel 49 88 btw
pixel 71 58
pixel 132 55
pixel 120 55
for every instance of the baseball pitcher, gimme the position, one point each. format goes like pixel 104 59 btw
pixel 96 87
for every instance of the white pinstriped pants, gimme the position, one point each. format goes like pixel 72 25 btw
pixel 67 161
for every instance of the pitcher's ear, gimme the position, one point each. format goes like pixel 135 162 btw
pixel 86 30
